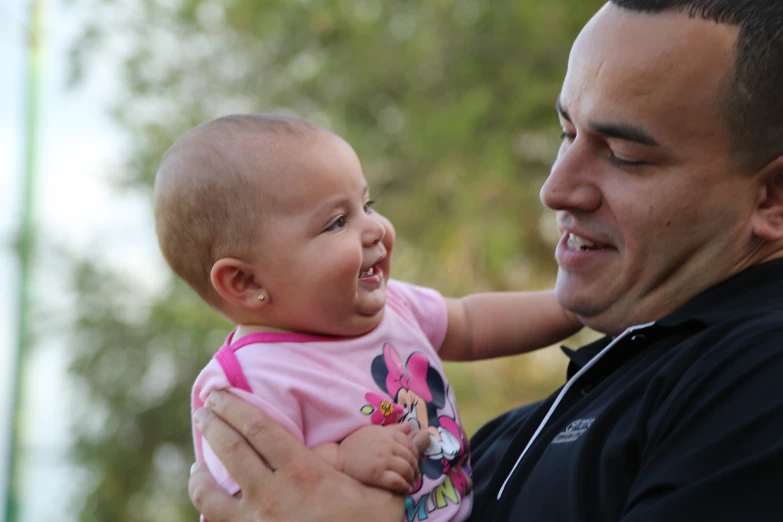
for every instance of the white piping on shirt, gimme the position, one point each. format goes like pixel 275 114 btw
pixel 562 393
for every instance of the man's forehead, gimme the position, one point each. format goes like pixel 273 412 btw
pixel 629 64
pixel 671 32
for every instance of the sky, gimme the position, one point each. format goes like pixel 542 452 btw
pixel 76 209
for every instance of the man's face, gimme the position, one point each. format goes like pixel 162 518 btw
pixel 652 208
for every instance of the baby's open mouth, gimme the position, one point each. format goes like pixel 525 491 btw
pixel 369 272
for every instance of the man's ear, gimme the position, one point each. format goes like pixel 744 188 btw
pixel 237 283
pixel 768 216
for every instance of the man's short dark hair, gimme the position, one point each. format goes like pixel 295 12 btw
pixel 753 90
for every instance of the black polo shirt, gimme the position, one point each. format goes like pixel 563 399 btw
pixel 681 420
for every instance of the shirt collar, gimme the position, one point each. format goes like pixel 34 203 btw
pixel 755 290
pixel 583 355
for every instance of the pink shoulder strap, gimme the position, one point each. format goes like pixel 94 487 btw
pixel 227 358
pixel 228 361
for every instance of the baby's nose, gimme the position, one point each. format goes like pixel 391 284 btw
pixel 374 232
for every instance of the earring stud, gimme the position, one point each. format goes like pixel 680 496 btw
pixel 262 297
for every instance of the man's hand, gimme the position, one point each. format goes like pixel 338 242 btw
pixel 280 478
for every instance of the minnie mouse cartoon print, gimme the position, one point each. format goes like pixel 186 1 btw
pixel 417 394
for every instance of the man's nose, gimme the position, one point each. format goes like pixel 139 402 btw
pixel 572 182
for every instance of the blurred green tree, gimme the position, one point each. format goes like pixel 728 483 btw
pixel 449 103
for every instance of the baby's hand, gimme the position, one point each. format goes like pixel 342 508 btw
pixel 381 456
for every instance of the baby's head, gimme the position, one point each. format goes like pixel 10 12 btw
pixel 268 219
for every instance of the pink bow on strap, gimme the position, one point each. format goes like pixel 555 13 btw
pixel 413 378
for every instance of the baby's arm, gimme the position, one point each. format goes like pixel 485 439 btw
pixel 482 326
pixel 380 456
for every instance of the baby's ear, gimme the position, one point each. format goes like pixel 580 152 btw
pixel 236 282
pixel 768 215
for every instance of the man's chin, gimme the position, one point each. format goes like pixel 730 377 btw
pixel 603 320
pixel 578 301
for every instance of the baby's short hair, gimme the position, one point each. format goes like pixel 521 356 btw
pixel 206 204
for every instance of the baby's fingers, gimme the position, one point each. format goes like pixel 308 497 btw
pixel 402 427
pixel 393 481
pixel 404 468
pixel 404 448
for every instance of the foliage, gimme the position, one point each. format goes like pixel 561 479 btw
pixel 449 103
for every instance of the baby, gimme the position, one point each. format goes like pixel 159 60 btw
pixel 270 220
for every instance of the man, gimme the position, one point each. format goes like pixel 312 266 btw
pixel 668 189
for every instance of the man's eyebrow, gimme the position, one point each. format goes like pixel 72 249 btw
pixel 621 131
pixel 561 110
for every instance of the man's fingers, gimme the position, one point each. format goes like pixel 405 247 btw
pixel 211 500
pixel 273 443
pixel 236 454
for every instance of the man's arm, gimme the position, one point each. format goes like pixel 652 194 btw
pixel 482 326
pixel 279 477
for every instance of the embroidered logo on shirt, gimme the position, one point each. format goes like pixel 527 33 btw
pixel 573 431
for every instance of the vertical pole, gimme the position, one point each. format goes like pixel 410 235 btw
pixel 25 246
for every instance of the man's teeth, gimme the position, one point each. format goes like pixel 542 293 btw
pixel 579 243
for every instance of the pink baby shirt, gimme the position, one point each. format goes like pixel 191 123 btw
pixel 322 389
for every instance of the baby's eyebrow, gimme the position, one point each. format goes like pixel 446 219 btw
pixel 328 204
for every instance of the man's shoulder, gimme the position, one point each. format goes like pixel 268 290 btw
pixel 744 335
pixel 734 362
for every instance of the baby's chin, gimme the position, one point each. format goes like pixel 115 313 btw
pixel 370 301
pixel 363 322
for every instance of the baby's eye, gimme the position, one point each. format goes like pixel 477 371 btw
pixel 368 206
pixel 337 224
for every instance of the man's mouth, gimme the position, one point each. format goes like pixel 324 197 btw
pixel 579 243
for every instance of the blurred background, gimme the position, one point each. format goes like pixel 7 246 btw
pixel 449 104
